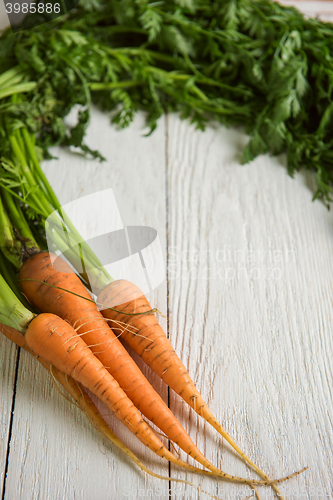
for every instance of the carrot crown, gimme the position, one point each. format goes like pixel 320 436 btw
pixel 12 312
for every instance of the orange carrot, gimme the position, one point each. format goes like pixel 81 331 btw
pixel 86 404
pixel 38 335
pixel 94 330
pixel 57 343
pixel 118 301
pixel 45 288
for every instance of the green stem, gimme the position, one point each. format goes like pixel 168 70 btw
pixel 97 277
pixel 139 52
pixel 97 272
pixel 47 202
pixel 8 243
pixel 12 312
pixel 14 141
pixel 200 78
pixel 16 89
pixel 16 149
pixel 207 107
pixel 12 81
pixel 10 75
pixel 27 201
pixel 65 241
pixel 114 85
pixel 17 135
pixel 32 152
pixel 6 269
pixel 18 220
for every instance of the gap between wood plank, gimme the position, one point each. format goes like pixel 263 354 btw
pixel 11 424
pixel 167 254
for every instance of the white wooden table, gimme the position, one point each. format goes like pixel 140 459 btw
pixel 249 294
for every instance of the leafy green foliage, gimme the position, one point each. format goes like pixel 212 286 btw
pixel 240 62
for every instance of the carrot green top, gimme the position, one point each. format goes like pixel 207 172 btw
pixel 12 312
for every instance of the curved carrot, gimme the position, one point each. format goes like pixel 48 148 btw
pixel 93 329
pixel 57 343
pixel 85 403
pixel 38 281
pixel 88 407
pixel 118 302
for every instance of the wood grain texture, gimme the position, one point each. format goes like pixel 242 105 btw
pixel 250 300
pixel 8 362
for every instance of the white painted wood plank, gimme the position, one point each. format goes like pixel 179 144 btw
pixel 55 453
pixel 8 356
pixel 204 167
pixel 251 307
pixel 310 5
pixel 322 9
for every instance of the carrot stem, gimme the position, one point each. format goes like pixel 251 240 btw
pixel 18 220
pixel 14 141
pixel 11 77
pixel 12 312
pixel 7 271
pixel 32 152
pixel 45 202
pixel 20 88
pixel 8 243
pixel 114 85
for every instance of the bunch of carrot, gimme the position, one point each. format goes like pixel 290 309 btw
pixel 84 402
pixel 84 341
pixel 71 351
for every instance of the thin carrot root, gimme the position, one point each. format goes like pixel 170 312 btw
pixel 209 417
pixel 256 492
